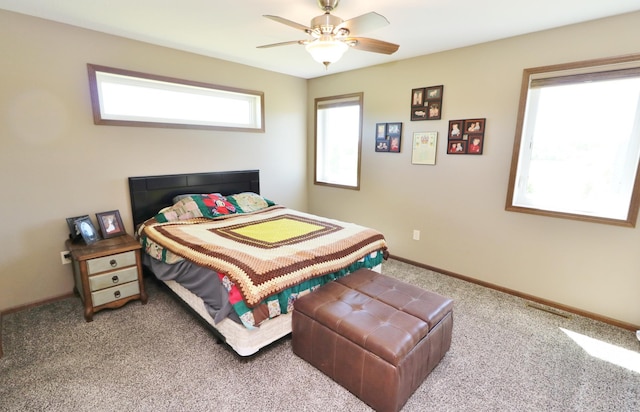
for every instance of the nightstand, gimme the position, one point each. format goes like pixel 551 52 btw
pixel 107 273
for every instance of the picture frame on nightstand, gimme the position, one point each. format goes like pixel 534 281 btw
pixel 110 224
pixel 87 230
pixel 74 232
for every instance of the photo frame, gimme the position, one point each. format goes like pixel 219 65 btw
pixel 382 145
pixel 110 224
pixel 459 147
pixel 394 144
pixel 382 141
pixel 474 125
pixel 419 113
pixel 426 103
pixel 424 148
pixel 87 230
pixel 394 131
pixel 466 136
pixel 434 110
pixel 434 92
pixel 476 143
pixel 456 128
pixel 74 232
pixel 388 137
pixel 417 97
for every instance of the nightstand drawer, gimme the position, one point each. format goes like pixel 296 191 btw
pixel 117 277
pixel 114 293
pixel 111 262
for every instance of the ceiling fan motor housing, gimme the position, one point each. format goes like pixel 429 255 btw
pixel 325 23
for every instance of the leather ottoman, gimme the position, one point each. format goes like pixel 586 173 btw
pixel 376 336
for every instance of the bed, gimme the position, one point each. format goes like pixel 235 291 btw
pixel 238 260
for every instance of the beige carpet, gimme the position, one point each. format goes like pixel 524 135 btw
pixel 505 356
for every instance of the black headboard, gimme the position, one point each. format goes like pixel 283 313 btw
pixel 149 194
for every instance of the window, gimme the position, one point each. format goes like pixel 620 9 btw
pixel 338 140
pixel 126 98
pixel 577 142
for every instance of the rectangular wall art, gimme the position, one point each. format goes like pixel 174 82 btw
pixel 424 148
pixel 466 136
pixel 388 137
pixel 426 103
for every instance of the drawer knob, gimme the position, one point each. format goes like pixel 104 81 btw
pixel 116 294
pixel 113 263
pixel 115 279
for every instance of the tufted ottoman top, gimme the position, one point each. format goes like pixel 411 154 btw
pixel 383 315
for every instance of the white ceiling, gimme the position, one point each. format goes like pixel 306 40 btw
pixel 231 29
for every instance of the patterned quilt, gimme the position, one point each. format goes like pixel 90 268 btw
pixel 267 251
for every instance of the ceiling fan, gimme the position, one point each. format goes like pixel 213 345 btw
pixel 331 36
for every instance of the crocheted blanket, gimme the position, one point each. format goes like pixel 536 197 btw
pixel 267 251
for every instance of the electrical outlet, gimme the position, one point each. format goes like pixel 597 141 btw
pixel 65 256
pixel 416 234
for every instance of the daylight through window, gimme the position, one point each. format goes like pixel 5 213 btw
pixel 578 143
pixel 122 97
pixel 338 140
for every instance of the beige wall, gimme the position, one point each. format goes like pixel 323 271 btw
pixel 55 163
pixel 458 204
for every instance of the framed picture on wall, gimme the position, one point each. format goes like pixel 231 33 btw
pixel 466 136
pixel 426 103
pixel 424 148
pixel 388 137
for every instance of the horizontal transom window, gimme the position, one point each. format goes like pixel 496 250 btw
pixel 125 98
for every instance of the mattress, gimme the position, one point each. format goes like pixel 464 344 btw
pixel 243 341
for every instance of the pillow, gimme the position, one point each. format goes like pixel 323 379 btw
pixel 178 198
pixel 249 202
pixel 183 209
pixel 216 203
pixel 191 206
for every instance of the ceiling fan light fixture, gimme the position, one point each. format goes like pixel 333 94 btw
pixel 331 36
pixel 326 51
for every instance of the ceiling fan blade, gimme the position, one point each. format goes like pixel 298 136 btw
pixel 284 43
pixel 372 45
pixel 289 23
pixel 364 23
